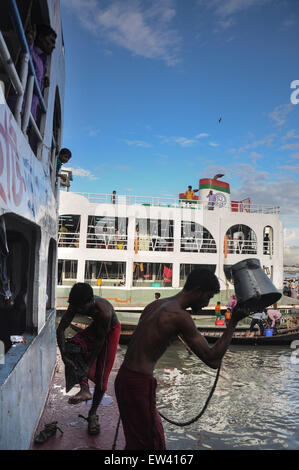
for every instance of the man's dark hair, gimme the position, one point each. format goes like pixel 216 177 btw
pixel 202 278
pixel 80 294
pixel 65 151
pixel 44 30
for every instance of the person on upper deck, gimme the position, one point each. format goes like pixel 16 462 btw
pixel 113 197
pixel 211 200
pixel 90 354
pixel 41 42
pixel 189 194
pixel 159 323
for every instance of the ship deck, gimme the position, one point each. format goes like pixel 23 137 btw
pixel 75 436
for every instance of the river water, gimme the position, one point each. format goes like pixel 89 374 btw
pixel 255 404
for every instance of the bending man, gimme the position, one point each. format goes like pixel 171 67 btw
pixel 91 353
pixel 160 322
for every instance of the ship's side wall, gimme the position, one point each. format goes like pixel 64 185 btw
pixel 24 381
pixel 28 204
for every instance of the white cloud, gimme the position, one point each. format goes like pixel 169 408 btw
pixel 267 141
pixel 137 143
pixel 260 186
pixel 291 255
pixel 182 141
pixel 290 147
pixel 290 135
pixel 144 30
pixel 82 173
pixel 292 168
pixel 225 11
pixel 201 135
pixel 93 132
pixel 287 24
pixel 213 144
pixel 255 155
pixel 290 236
pixel 279 114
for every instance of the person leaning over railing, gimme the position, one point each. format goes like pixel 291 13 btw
pixel 41 41
pixel 63 157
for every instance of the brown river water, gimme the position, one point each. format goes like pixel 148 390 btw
pixel 255 405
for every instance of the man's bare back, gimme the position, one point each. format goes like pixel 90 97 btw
pixel 161 322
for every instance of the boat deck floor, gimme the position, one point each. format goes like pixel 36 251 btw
pixel 75 436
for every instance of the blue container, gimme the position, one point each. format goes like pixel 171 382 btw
pixel 269 332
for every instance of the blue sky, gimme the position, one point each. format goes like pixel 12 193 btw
pixel 147 81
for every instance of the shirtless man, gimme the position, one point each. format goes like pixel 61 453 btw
pixel 160 322
pixel 98 343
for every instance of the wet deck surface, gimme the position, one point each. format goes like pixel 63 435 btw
pixel 75 436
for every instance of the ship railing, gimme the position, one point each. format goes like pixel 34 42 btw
pixel 155 201
pixel 154 243
pixel 198 245
pixel 68 239
pixel 24 83
pixel 238 207
pixel 268 248
pixel 107 241
pixel 248 247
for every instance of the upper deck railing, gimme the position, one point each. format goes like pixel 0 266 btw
pixel 175 202
pixel 22 77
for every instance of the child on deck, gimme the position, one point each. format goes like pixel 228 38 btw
pixel 63 157
pixel 218 311
pixel 227 315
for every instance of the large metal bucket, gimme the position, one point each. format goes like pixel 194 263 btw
pixel 253 286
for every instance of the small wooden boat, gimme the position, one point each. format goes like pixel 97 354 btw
pixel 287 333
pixel 284 336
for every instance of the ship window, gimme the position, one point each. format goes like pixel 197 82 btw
pixel 18 270
pixel 154 235
pixel 107 232
pixel 67 271
pixel 185 270
pixel 196 238
pixel 69 231
pixel 105 273
pixel 240 239
pixel 268 240
pixel 152 274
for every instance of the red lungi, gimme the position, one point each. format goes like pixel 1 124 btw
pixel 136 398
pixel 100 370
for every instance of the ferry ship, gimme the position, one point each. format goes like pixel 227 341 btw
pixel 29 143
pixel 131 247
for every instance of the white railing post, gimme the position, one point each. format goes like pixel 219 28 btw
pixel 20 98
pixel 28 103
